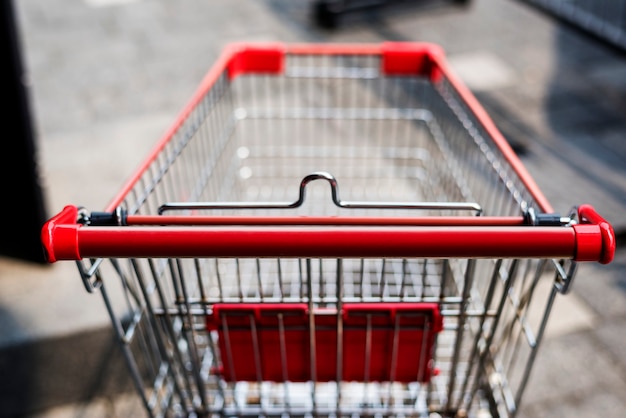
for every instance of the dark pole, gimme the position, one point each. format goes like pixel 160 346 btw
pixel 22 207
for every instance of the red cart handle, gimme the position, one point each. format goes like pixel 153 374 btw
pixel 592 239
pixel 595 236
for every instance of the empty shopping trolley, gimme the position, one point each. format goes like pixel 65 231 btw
pixel 330 230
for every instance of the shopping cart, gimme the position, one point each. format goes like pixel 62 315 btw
pixel 242 281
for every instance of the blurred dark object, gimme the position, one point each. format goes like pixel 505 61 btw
pixel 604 20
pixel 22 209
pixel 328 13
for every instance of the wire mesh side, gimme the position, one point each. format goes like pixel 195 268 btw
pixel 494 312
pixel 389 139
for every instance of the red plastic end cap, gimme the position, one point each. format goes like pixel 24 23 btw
pixel 588 215
pixel 256 58
pixel 408 58
pixel 59 236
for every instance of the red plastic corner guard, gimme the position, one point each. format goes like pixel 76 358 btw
pixel 409 58
pixel 255 58
pixel 595 238
pixel 59 236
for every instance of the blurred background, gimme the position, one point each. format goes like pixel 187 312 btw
pixel 93 84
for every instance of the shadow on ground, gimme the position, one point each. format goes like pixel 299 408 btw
pixel 61 370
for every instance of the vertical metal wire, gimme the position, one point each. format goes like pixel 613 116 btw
pixel 259 278
pixel 229 357
pixel 394 349
pixel 476 346
pixel 381 281
pixel 405 274
pixel 321 287
pixel 159 338
pixel 468 282
pixel 238 276
pixel 134 333
pixel 312 347
pixel 168 322
pixel 218 277
pixel 524 301
pixel 533 354
pixel 368 348
pixel 283 361
pixel 205 305
pixel 127 352
pixel 486 354
pixel 340 348
pixel 214 127
pixel 304 292
pixel 423 351
pixel 190 336
pixel 256 348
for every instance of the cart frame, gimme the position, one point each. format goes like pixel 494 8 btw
pixel 458 281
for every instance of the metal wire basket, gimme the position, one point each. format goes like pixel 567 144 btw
pixel 242 281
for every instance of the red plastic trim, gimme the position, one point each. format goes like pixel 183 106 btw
pixel 588 242
pixel 394 310
pixel 256 59
pixel 288 241
pixel 59 236
pixel 275 342
pixel 591 240
pixel 407 58
pixel 595 237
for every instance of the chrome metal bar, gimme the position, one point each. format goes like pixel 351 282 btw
pixel 423 352
pixel 127 353
pixel 259 281
pixel 168 324
pixel 334 188
pixel 533 354
pixel 368 349
pixel 486 354
pixel 238 275
pixel 395 348
pixel 476 346
pixel 256 348
pixel 227 344
pixel 283 360
pixel 312 350
pixel 87 274
pixel 190 336
pixel 468 282
pixel 219 281
pixel 381 280
pixel 340 352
